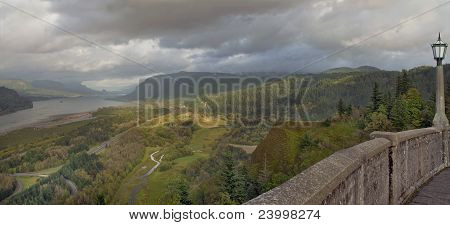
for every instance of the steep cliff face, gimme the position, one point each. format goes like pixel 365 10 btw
pixel 11 102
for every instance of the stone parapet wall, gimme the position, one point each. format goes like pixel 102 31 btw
pixel 385 170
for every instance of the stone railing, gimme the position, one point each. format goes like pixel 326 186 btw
pixel 385 170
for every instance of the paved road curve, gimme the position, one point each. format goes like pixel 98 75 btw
pixel 154 167
pixel 435 192
pixel 71 184
pixel 135 191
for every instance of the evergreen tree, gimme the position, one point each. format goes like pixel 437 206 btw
pixel 376 98
pixel 349 110
pixel 405 81
pixel 341 108
pixel 182 189
pixel 402 84
pixel 388 103
pixel 228 174
pixel 239 194
pixel 398 87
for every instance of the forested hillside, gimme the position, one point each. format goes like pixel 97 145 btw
pixel 316 100
pixel 318 94
pixel 11 102
pixel 356 88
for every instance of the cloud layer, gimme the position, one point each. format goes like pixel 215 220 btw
pixel 213 35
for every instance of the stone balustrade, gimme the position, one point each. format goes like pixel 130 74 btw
pixel 385 170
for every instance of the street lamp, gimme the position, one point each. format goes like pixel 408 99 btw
pixel 439 50
pixel 440 120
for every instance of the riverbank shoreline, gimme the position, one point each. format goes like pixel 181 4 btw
pixel 55 112
pixel 53 121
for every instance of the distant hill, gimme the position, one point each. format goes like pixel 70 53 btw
pixel 350 70
pixel 166 91
pixel 11 101
pixel 43 89
pixel 66 87
pixel 367 69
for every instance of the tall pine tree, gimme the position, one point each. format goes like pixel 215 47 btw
pixel 388 102
pixel 376 98
pixel 341 108
pixel 402 84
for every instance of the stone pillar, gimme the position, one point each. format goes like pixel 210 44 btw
pixel 440 120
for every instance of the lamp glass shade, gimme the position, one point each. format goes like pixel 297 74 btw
pixel 439 49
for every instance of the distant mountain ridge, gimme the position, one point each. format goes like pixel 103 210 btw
pixel 11 101
pixel 68 87
pixel 349 69
pixel 197 75
pixel 42 89
pixel 166 91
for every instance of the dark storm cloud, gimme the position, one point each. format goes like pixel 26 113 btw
pixel 216 35
pixel 157 18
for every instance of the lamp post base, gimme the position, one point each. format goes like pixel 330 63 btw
pixel 440 121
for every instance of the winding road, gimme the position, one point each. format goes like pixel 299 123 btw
pixel 135 191
pixel 19 188
pixel 154 167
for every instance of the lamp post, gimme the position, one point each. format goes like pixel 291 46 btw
pixel 440 120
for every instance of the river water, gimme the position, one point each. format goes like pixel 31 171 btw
pixel 43 110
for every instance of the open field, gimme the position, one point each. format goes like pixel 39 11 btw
pixel 27 181
pixel 131 181
pixel 158 182
pixel 201 145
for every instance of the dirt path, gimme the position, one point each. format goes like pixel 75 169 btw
pixel 154 167
pixel 135 191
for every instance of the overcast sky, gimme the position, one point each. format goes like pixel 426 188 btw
pixel 164 36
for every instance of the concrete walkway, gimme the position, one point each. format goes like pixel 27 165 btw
pixel 435 192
